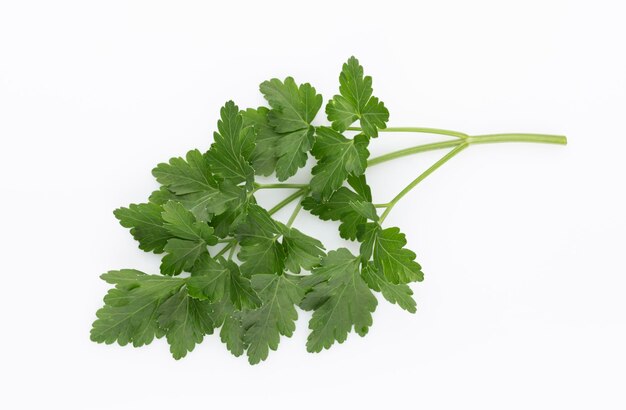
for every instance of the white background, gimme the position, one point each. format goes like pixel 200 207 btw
pixel 523 245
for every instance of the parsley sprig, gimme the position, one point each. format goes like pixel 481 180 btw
pixel 228 264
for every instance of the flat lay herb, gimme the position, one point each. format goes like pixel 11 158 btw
pixel 229 266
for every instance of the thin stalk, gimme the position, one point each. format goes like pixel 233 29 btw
pixel 423 130
pixel 232 252
pixel 295 213
pixel 421 177
pixel 225 249
pixel 477 139
pixel 413 150
pixel 514 137
pixel 287 201
pixel 279 186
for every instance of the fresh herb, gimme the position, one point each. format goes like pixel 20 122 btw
pixel 228 264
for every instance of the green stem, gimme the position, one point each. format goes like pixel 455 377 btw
pixel 413 150
pixel 279 186
pixel 232 252
pixel 287 201
pixel 225 249
pixel 421 177
pixel 540 138
pixel 295 213
pixel 478 139
pixel 424 130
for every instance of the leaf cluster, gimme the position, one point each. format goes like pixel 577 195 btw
pixel 227 265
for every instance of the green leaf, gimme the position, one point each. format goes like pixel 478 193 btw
pixel 292 151
pixel 241 293
pixel 367 233
pixel 215 279
pixel 355 102
pixel 400 294
pixel 261 251
pixel 259 225
pixel 264 156
pixel 131 308
pixel 202 204
pixel 230 154
pixel 181 255
pixel 293 110
pixel 190 182
pixel 185 176
pixel 182 223
pixel 232 331
pixel 162 195
pixel 237 201
pixel 186 321
pixel 303 251
pixel 337 158
pixel 341 299
pixel 146 225
pixel 275 317
pixel 262 257
pixel 339 206
pixel 191 239
pixel 205 205
pixel 395 262
pixel 365 209
pixel 360 186
pixel 209 280
pixel 293 107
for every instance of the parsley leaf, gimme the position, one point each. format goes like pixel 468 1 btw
pixel 341 300
pixel 264 156
pixel 181 223
pixel 237 201
pixel 146 225
pixel 292 151
pixel 233 147
pixel 181 255
pixel 232 331
pixel 190 239
pixel 399 294
pixel 185 176
pixel 303 251
pixel 355 102
pixel 261 251
pixel 293 107
pixel 185 321
pixel 191 182
pixel 337 158
pixel 215 279
pixel 209 279
pixel 340 206
pixel 241 293
pixel 395 262
pixel 131 308
pixel 365 209
pixel 293 111
pixel 275 317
